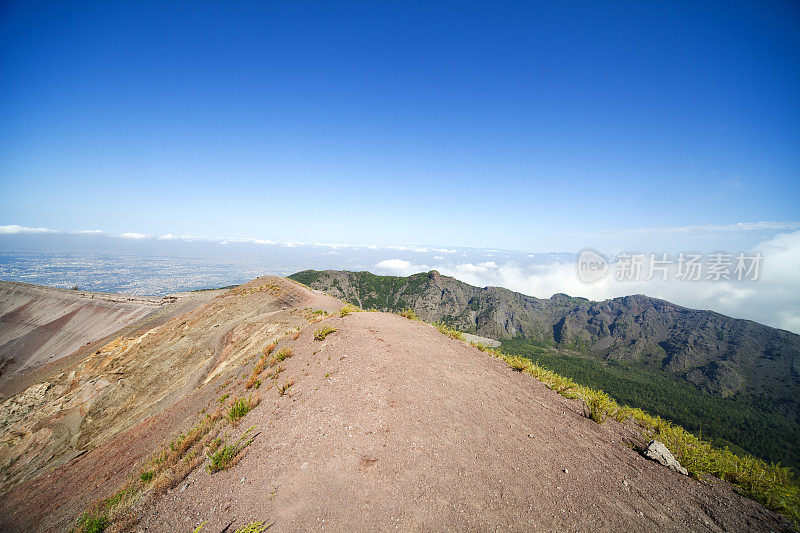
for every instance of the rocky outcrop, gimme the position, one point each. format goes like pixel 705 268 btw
pixel 661 454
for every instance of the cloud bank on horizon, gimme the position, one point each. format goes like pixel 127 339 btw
pixel 771 299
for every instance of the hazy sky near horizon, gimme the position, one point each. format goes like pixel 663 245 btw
pixel 542 126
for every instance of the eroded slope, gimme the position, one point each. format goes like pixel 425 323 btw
pixel 39 325
pixel 135 377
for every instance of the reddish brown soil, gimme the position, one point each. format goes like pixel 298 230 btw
pixel 391 425
pixel 39 325
pixel 415 431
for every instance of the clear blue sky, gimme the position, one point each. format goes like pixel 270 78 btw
pixel 462 124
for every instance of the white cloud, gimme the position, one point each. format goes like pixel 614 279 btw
pixel 14 229
pixel 771 300
pixel 133 235
pixel 398 266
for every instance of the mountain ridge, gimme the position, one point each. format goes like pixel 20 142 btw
pixel 730 359
pixel 630 327
pixel 351 418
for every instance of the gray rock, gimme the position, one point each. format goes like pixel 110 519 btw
pixel 659 453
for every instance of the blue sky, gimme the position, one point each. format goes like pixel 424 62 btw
pixel 541 126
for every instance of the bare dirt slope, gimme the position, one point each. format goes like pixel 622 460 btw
pixel 39 325
pixel 389 425
pixel 73 436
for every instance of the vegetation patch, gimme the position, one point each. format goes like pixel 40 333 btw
pixel 283 354
pixel 262 363
pixel 347 310
pixel 163 471
pixel 240 407
pixel 408 313
pixel 323 332
pixel 253 527
pixel 444 329
pixel 736 423
pixel 770 484
pixel 283 389
pixel 227 455
pixel 480 346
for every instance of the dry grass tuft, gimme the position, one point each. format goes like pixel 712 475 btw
pixel 227 455
pixel 323 332
pixel 347 310
pixel 444 329
pixel 283 354
pixel 409 314
pixel 283 389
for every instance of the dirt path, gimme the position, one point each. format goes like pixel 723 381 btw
pixel 392 426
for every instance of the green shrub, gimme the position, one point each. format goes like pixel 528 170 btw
pixel 408 313
pixel 323 332
pixel 240 407
pixel 447 330
pixel 283 353
pixel 346 310
pixel 93 524
pixel 228 454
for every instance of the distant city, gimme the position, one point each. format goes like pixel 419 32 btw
pixel 129 273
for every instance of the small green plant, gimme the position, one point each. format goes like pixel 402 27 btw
pixel 346 310
pixel 282 389
pixel 444 329
pixel 146 476
pixel 92 524
pixel 598 405
pixel 223 398
pixel 480 346
pixel 283 353
pixel 227 455
pixel 240 407
pixel 323 332
pixel 253 527
pixel 518 363
pixel 409 314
